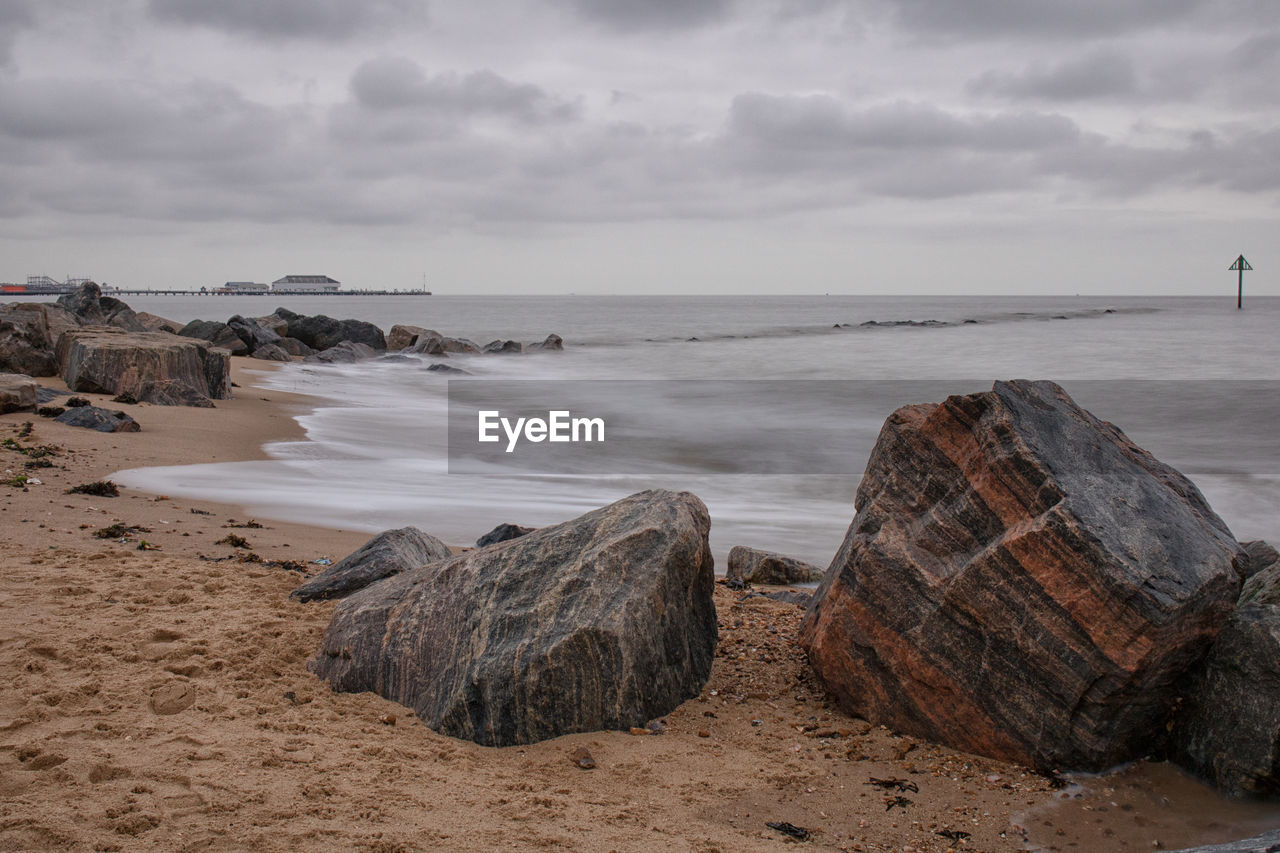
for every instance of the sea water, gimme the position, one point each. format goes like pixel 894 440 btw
pixel 1191 379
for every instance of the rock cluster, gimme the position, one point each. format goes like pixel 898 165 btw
pixel 602 622
pixel 1021 581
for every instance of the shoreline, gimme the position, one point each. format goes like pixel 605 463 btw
pixel 160 700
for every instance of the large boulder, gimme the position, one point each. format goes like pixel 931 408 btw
pixel 504 347
pixel 96 418
pixel 1261 556
pixel 1021 581
pixel 602 622
pixel 18 393
pixel 552 343
pixel 271 352
pixel 766 567
pixel 156 323
pixel 295 347
pixel 1229 731
pixel 320 332
pixel 152 367
pixel 90 307
pixel 343 353
pixel 389 553
pixel 26 340
pixel 219 334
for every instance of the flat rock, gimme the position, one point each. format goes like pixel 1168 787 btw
pixel 1021 581
pixel 18 393
pixel 602 622
pixel 152 367
pixel 387 554
pixel 503 533
pixel 766 567
pixel 102 420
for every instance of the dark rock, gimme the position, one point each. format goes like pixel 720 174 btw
pixel 766 567
pixel 1268 842
pixel 271 352
pixel 90 307
pixel 154 367
pixel 1261 556
pixel 602 622
pixel 402 336
pixel 252 334
pixel 77 402
pixel 343 353
pixel 1021 581
pixel 1262 588
pixel 92 417
pixel 387 554
pixel 447 368
pixel 1229 731
pixel 278 325
pixel 397 358
pixel 18 393
pixel 321 333
pixel 504 347
pixel 553 343
pixel 503 533
pixel 219 334
pixel 295 347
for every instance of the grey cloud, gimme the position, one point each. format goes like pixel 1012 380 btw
pixel 806 123
pixel 1043 19
pixel 400 84
pixel 15 16
pixel 323 19
pixel 1257 51
pixel 651 15
pixel 1096 75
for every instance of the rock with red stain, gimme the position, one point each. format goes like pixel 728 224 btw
pixel 1021 581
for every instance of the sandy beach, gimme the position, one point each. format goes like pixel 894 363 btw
pixel 160 700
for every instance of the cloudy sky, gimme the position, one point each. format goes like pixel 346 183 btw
pixel 655 146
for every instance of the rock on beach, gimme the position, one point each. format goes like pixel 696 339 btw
pixel 602 622
pixel 1021 581
pixel 387 554
pixel 152 367
pixel 765 567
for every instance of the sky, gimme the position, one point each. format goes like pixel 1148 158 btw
pixel 666 146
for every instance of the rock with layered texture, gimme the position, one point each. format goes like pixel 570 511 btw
pixel 1229 730
pixel 766 567
pixel 26 340
pixel 389 553
pixel 602 622
pixel 18 393
pixel 152 367
pixel 1021 581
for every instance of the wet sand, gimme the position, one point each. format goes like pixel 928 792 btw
pixel 159 700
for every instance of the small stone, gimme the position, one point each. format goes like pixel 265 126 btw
pixel 636 730
pixel 174 697
pixel 704 733
pixel 387 719
pixel 581 756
